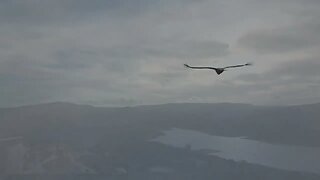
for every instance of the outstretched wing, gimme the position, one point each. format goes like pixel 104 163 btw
pixel 199 67
pixel 240 65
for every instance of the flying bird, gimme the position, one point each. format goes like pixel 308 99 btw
pixel 218 70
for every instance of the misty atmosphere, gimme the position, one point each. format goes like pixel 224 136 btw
pixel 159 89
pixel 171 141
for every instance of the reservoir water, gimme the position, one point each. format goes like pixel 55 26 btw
pixel 297 158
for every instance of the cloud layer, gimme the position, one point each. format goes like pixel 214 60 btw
pixel 119 53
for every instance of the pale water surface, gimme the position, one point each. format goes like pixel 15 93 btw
pixel 297 158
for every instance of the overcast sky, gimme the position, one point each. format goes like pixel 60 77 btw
pixel 131 52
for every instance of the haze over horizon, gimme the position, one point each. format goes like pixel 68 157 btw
pixel 67 104
pixel 131 52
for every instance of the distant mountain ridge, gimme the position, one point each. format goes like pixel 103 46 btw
pixel 299 121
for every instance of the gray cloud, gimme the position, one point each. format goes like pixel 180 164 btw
pixel 131 52
pixel 47 11
pixel 174 48
pixel 293 82
pixel 65 11
pixel 191 49
pixel 283 39
pixel 302 69
pixel 72 59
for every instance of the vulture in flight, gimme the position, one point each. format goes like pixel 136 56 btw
pixel 218 70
